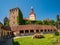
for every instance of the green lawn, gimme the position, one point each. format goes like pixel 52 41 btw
pixel 48 40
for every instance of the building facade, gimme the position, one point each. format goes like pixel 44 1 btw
pixel 32 29
pixel 5 33
pixel 13 17
pixel 27 29
pixel 15 12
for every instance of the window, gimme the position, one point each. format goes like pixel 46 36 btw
pixel 48 30
pixel 37 30
pixel 14 17
pixel 26 31
pixel 8 33
pixel 41 30
pixel 13 22
pixel 21 31
pixel 54 29
pixel 31 31
pixel 45 30
pixel 13 12
pixel 16 9
pixel 51 30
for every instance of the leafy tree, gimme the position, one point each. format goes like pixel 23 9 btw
pixel 20 18
pixel 52 22
pixel 6 23
pixel 28 22
pixel 33 22
pixel 45 22
pixel 39 22
pixel 56 33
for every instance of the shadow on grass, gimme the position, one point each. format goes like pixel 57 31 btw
pixel 15 43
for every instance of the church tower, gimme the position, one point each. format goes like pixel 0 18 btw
pixel 13 17
pixel 32 15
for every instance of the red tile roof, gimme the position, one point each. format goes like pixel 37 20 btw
pixel 33 27
pixel 6 28
pixel 25 19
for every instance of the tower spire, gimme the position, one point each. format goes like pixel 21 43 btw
pixel 32 10
pixel 32 14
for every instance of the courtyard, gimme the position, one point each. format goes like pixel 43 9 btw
pixel 50 39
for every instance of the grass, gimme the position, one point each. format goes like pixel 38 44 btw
pixel 48 40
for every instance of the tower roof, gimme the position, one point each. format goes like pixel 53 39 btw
pixel 6 19
pixel 32 11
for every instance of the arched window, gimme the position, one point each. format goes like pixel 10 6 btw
pixel 48 30
pixel 41 30
pixel 32 31
pixel 13 12
pixel 45 30
pixel 54 29
pixel 21 31
pixel 8 33
pixel 51 30
pixel 37 30
pixel 26 31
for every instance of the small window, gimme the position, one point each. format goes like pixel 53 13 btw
pixel 31 31
pixel 21 31
pixel 37 30
pixel 51 30
pixel 16 9
pixel 55 30
pixel 13 12
pixel 26 31
pixel 14 17
pixel 45 30
pixel 48 30
pixel 41 30
pixel 13 22
pixel 8 33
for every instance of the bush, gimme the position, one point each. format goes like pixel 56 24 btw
pixel 56 33
pixel 38 36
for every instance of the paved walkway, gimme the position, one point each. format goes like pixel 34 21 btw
pixel 8 42
pixel 21 37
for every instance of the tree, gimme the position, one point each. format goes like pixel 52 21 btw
pixel 39 22
pixel 20 18
pixel 56 33
pixel 45 22
pixel 52 22
pixel 28 22
pixel 6 21
pixel 33 22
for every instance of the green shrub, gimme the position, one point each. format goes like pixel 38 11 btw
pixel 56 33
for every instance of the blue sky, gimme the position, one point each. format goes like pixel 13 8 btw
pixel 43 8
